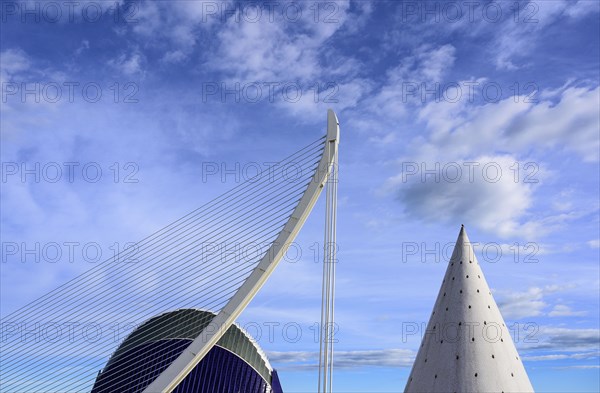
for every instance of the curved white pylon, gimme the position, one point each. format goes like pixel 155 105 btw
pixel 168 380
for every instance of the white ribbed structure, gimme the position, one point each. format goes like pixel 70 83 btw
pixel 467 346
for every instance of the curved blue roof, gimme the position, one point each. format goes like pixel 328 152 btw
pixel 236 363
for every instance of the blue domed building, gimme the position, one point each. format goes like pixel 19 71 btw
pixel 235 364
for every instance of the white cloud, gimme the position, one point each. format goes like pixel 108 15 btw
pixel 13 60
pixel 285 48
pixel 346 359
pixel 561 310
pixel 571 123
pixel 565 339
pixel 582 8
pixel 562 356
pixel 426 65
pixel 594 243
pixel 583 367
pixel 176 27
pixel 434 63
pixel 129 64
pixel 562 202
pixel 149 17
pixel 280 51
pixel 481 190
pixel 173 57
pixel 532 303
pixel 467 132
pixel 569 120
pixel 524 304
pixel 85 45
pixel 266 51
pixel 513 39
pixel 400 95
pixel 313 105
pixel 384 139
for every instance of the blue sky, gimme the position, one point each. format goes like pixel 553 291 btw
pixel 451 113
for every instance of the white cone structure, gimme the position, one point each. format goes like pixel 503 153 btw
pixel 467 346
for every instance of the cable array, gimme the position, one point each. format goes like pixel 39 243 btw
pixel 60 341
pixel 326 336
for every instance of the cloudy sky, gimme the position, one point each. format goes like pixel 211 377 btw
pixel 482 114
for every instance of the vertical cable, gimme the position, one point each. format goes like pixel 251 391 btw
pixel 327 331
pixel 333 262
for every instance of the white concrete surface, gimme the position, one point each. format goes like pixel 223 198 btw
pixel 467 346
